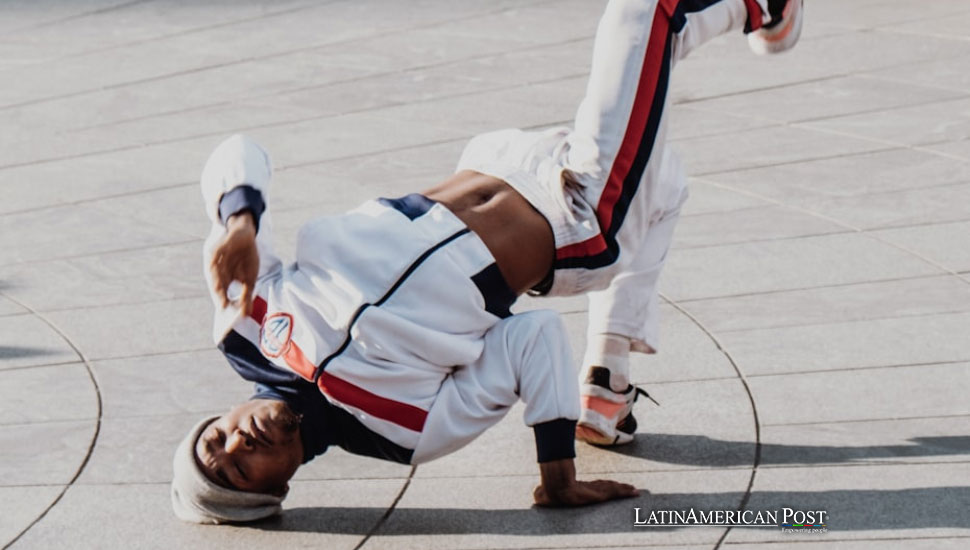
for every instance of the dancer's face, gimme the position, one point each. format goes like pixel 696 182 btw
pixel 254 447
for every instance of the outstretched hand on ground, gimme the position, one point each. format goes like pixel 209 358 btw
pixel 559 487
pixel 236 259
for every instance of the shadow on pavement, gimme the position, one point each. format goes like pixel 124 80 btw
pixel 848 510
pixel 20 352
pixel 699 450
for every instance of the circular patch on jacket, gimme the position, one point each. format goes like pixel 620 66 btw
pixel 274 335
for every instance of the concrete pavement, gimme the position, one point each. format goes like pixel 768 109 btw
pixel 815 346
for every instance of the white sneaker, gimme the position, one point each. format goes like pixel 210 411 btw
pixel 782 32
pixel 607 417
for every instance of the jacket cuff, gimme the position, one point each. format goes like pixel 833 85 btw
pixel 555 439
pixel 240 199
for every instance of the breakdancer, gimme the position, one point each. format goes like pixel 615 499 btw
pixel 391 334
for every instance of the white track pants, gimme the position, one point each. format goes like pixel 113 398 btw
pixel 526 356
pixel 618 151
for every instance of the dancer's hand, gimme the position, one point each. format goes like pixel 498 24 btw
pixel 236 259
pixel 559 487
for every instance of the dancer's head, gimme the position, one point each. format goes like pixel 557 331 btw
pixel 236 467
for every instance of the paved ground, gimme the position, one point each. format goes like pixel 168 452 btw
pixel 815 353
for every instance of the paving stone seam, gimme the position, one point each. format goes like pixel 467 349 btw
pixel 840 231
pixel 863 420
pixel 211 349
pixel 811 371
pixel 428 144
pixel 865 233
pixel 432 143
pixel 78 202
pixel 49 422
pixel 922 225
pixel 806 288
pixel 380 522
pixel 863 137
pixel 104 304
pixel 819 323
pixel 735 93
pixel 911 252
pixel 964 95
pixel 738 210
pixel 865 463
pixel 273 55
pixel 899 80
pixel 303 165
pixel 824 78
pixel 73 17
pixel 395 31
pixel 40 365
pixel 848 321
pixel 751 399
pixel 864 368
pixel 340 82
pixel 816 287
pixel 372 111
pixel 924 148
pixel 804 160
pixel 184 32
pixel 837 198
pixel 886 227
pixel 763 125
pixel 97 420
pixel 961 98
pixel 14 314
pixel 29 485
pixel 681 247
pixel 105 252
pixel 940 36
pixel 844 231
pixel 909 20
pixel 97 359
pixel 658 382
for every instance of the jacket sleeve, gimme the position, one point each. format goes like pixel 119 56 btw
pixel 236 178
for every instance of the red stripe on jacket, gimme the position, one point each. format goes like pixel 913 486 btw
pixel 403 414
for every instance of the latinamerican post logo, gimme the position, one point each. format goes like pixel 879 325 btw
pixel 787 519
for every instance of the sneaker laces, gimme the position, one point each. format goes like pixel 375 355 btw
pixel 640 391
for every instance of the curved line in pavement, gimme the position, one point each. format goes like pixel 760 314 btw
pixel 97 423
pixel 754 410
pixel 390 510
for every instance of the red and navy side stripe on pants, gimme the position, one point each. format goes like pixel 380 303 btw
pixel 638 142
